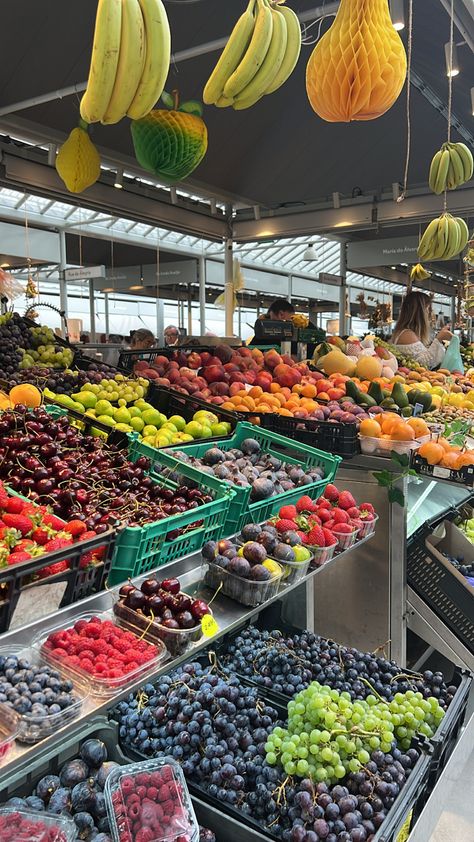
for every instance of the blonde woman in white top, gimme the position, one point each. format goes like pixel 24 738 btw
pixel 412 331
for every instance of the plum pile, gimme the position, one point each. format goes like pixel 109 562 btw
pixel 52 463
pixel 248 465
pixel 76 791
pixel 38 693
pixel 288 664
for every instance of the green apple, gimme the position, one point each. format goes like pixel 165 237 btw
pixel 178 422
pixel 301 553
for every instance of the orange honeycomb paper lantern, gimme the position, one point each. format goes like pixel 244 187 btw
pixel 358 68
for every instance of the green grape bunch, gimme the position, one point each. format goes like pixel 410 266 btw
pixel 328 735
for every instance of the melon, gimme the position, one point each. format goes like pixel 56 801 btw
pixel 368 368
pixel 336 363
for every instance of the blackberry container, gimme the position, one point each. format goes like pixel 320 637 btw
pixel 122 783
pixel 32 728
pixel 42 827
pixel 177 641
pixel 246 591
pixel 102 687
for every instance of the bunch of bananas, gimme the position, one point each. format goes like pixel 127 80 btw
pixel 444 238
pixel 452 166
pixel 419 273
pixel 130 60
pixel 260 55
pixel 300 320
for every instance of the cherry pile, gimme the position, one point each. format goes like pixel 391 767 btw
pixel 51 462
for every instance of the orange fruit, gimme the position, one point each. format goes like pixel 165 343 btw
pixel 27 394
pixel 388 420
pixel 432 452
pixel 420 427
pixel 256 392
pixel 283 411
pixel 402 432
pixel 463 459
pixel 450 460
pixel 370 427
pixel 444 443
pixel 309 391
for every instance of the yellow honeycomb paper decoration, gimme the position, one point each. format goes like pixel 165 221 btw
pixel 78 161
pixel 358 68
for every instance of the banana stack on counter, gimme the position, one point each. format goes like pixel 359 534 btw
pixel 130 61
pixel 300 320
pixel 452 166
pixel 444 238
pixel 419 273
pixel 260 55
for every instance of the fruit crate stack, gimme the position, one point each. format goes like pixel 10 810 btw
pixel 255 502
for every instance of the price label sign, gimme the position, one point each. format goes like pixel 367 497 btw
pixel 209 626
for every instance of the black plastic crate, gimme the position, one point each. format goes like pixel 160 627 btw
pixel 438 583
pixel 116 437
pixel 127 359
pixel 451 726
pixel 464 476
pixel 82 362
pixel 16 579
pixel 170 402
pixel 58 340
pixel 340 439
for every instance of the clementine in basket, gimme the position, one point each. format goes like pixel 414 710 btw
pixel 450 460
pixel 444 443
pixel 464 459
pixel 388 420
pixel 432 452
pixel 402 432
pixel 370 427
pixel 419 427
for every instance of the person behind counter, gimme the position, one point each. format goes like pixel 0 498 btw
pixel 142 340
pixel 413 331
pixel 280 310
pixel 171 335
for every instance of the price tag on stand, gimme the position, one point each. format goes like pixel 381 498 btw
pixel 209 626
pixel 37 602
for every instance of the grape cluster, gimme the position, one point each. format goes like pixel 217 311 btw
pixel 328 736
pixel 215 728
pixel 288 664
pixel 15 336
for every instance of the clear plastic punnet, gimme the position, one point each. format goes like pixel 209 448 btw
pixel 246 591
pixel 152 795
pixel 30 826
pixel 96 649
pixel 9 728
pixel 177 641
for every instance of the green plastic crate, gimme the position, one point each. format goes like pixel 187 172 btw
pixel 241 510
pixel 139 549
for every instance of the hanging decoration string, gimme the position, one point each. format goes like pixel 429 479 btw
pixel 409 61
pixel 450 87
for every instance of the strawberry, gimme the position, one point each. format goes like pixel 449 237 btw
pixel 53 521
pixel 324 515
pixel 53 569
pixel 322 503
pixel 284 525
pixel 4 497
pixel 57 544
pixel 315 537
pixel 16 521
pixel 42 535
pixel 343 528
pixel 367 516
pixel 330 524
pixel 9 537
pixel 16 558
pixel 346 500
pixel 24 545
pixel 302 535
pixel 329 538
pixel 331 493
pixel 357 523
pixel 340 516
pixel 367 507
pixel 86 535
pixel 14 505
pixel 75 528
pixel 353 511
pixel 306 504
pixel 314 520
pixel 88 560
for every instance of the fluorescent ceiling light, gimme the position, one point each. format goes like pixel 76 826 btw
pixel 310 253
pixel 397 10
pixel 137 286
pixel 452 68
pixel 118 183
pixel 108 289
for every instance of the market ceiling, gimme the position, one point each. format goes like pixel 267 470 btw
pixel 278 153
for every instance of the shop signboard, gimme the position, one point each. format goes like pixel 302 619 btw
pixel 388 252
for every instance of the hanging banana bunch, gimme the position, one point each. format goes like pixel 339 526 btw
pixel 259 57
pixel 130 60
pixel 419 273
pixel 444 238
pixel 452 166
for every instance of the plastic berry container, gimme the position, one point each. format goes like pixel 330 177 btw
pixel 100 684
pixel 246 591
pixel 33 727
pixel 368 528
pixel 16 825
pixel 150 796
pixel 323 554
pixel 372 446
pixel 294 571
pixel 177 641
pixel 345 540
pixel 9 729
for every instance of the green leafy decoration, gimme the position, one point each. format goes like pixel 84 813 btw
pixel 192 107
pixel 167 99
pixel 388 479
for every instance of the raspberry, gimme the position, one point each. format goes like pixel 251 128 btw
pixel 141 791
pixel 133 811
pixel 132 799
pixel 152 793
pixel 87 665
pixel 146 834
pixel 143 779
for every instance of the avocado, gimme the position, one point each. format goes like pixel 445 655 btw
pixel 361 399
pixel 407 411
pixel 399 395
pixel 388 403
pixel 423 398
pixel 375 392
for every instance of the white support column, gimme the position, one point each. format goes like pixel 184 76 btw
pixel 62 281
pixel 190 312
pixel 160 322
pixel 106 315
pixel 202 294
pixel 92 310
